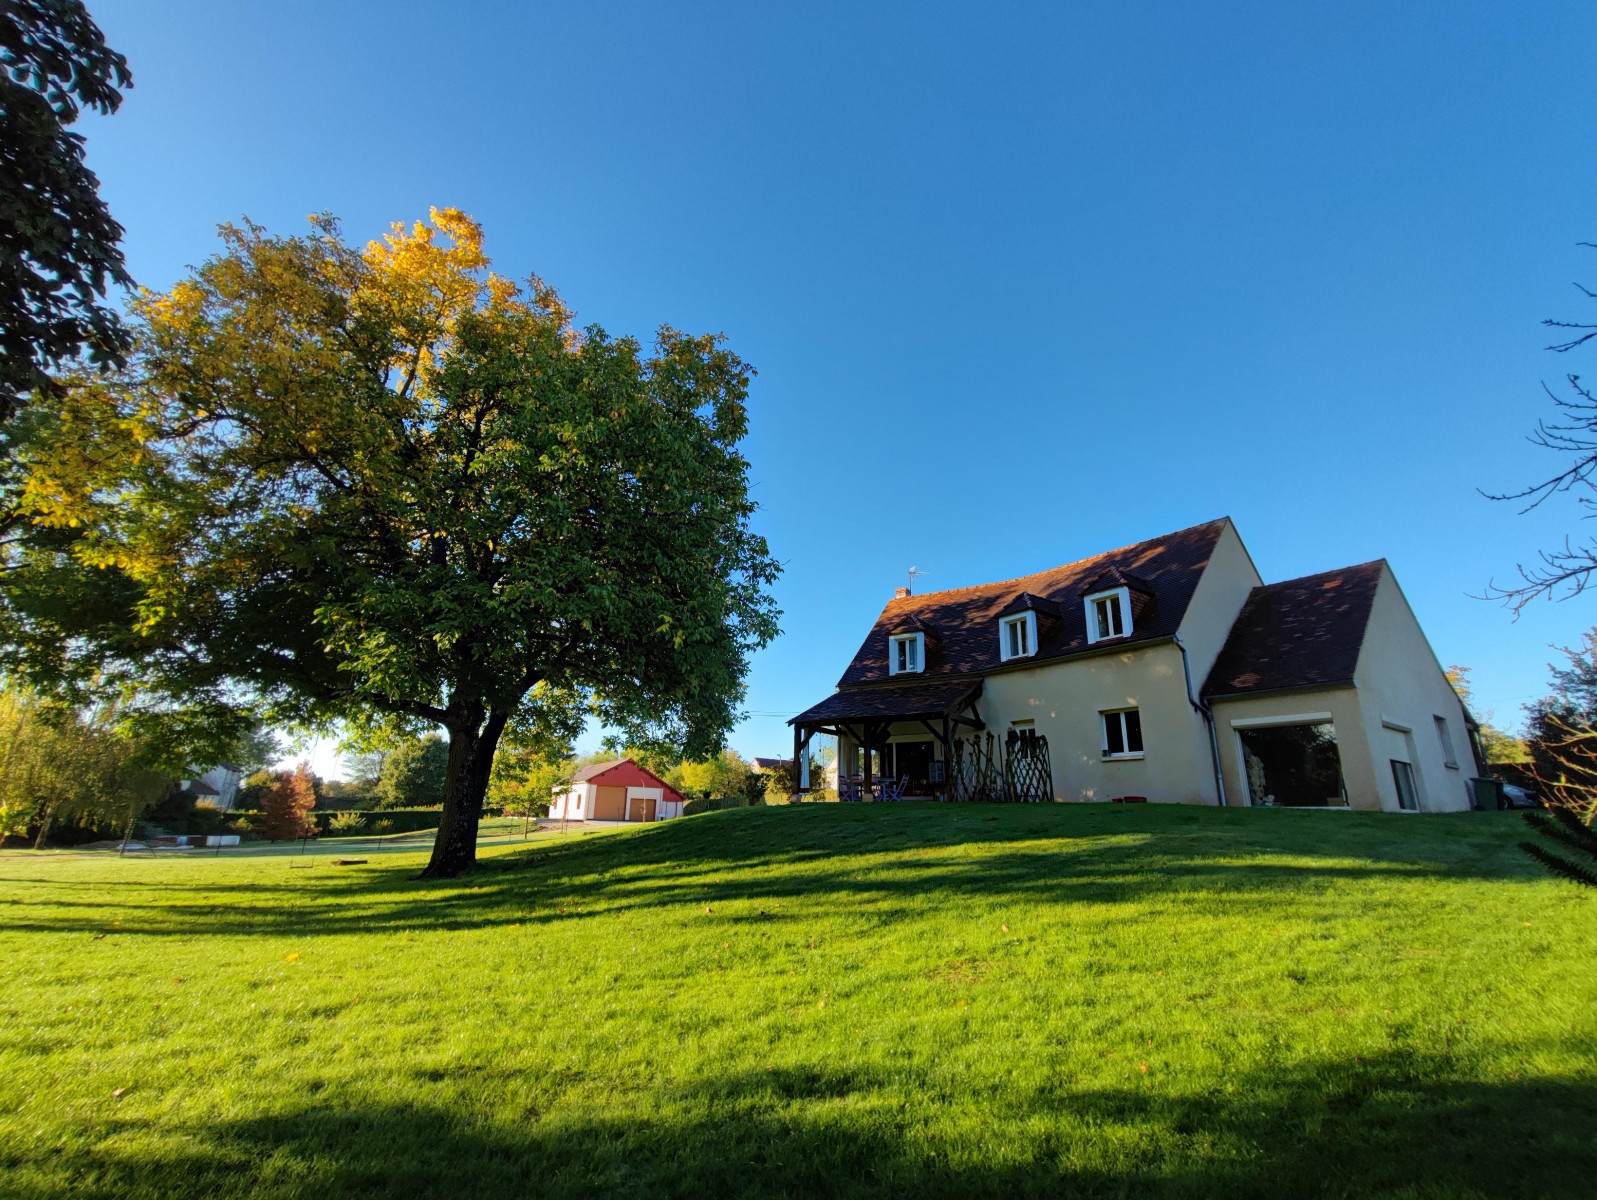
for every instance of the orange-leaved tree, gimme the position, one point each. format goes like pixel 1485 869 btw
pixel 286 807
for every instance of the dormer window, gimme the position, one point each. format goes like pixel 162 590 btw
pixel 1017 636
pixel 1108 614
pixel 906 653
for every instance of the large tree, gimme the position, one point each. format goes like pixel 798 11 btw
pixel 58 242
pixel 385 486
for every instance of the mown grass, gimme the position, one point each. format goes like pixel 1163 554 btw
pixel 823 1000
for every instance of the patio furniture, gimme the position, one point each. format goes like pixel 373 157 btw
pixel 893 789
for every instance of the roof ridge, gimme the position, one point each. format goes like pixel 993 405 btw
pixel 1374 562
pixel 975 587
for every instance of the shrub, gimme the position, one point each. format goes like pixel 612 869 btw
pixel 345 822
pixel 703 804
pixel 398 820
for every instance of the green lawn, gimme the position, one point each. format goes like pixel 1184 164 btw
pixel 825 1000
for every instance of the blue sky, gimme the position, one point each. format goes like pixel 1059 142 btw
pixel 1022 282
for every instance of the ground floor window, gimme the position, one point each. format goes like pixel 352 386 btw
pixel 1408 797
pixel 1293 766
pixel 1122 733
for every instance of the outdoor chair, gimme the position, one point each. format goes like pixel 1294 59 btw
pixel 893 789
pixel 847 790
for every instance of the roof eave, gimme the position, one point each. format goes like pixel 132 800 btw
pixel 1321 686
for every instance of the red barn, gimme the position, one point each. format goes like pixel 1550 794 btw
pixel 616 791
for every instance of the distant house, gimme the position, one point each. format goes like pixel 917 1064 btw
pixel 1165 671
pixel 217 786
pixel 620 790
pixel 769 766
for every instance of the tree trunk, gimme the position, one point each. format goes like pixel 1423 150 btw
pixel 472 742
pixel 46 816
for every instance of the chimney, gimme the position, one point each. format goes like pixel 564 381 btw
pixel 900 593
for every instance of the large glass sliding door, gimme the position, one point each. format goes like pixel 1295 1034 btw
pixel 1293 766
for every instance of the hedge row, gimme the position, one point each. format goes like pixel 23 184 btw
pixel 702 804
pixel 402 820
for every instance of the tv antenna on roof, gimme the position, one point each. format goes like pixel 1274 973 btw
pixel 914 574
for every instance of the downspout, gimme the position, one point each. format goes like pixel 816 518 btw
pixel 1208 719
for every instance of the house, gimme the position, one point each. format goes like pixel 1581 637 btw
pixel 620 790
pixel 769 766
pixel 1166 671
pixel 218 786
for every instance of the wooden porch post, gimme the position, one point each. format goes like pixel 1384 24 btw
pixel 798 750
pixel 948 758
pixel 865 788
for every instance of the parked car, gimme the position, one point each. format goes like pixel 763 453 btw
pixel 1518 797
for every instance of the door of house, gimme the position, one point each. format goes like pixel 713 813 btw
pixel 914 759
pixel 640 808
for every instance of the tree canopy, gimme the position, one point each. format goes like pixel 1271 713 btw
pixel 386 486
pixel 58 242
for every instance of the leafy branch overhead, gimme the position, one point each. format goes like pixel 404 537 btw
pixel 58 242
pixel 384 484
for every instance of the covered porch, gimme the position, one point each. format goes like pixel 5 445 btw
pixel 895 740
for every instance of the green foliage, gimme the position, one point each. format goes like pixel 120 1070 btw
pixel 414 775
pixel 1563 733
pixel 704 804
pixel 1562 825
pixel 781 787
pixel 386 486
pixel 352 823
pixel 724 775
pixel 253 790
pixel 348 793
pixel 1346 1007
pixel 61 243
pixel 63 768
pixel 523 781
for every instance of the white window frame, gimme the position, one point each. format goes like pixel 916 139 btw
pixel 893 643
pixel 1103 732
pixel 1444 732
pixel 1028 622
pixel 1090 604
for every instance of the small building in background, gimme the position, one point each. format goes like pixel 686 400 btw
pixel 619 790
pixel 217 787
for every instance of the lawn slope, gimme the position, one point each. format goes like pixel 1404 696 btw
pixel 820 1000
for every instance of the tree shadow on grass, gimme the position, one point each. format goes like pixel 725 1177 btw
pixel 884 860
pixel 1394 1126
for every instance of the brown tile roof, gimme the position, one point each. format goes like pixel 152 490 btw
pixel 1299 633
pixel 598 768
pixel 895 700
pixel 966 619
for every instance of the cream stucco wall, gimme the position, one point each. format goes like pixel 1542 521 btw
pixel 1064 700
pixel 1401 684
pixel 1347 718
pixel 1219 597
